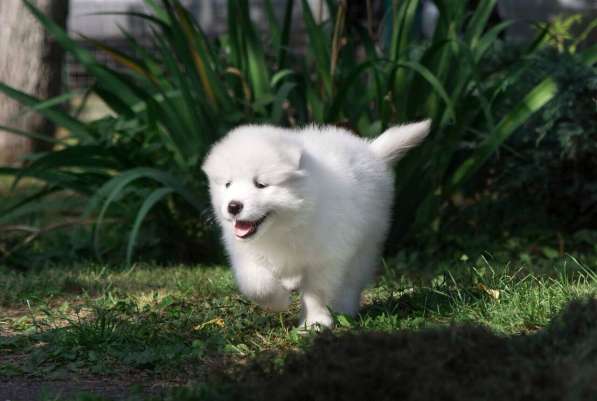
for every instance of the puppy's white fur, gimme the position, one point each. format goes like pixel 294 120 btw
pixel 325 209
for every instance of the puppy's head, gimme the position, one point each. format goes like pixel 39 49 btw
pixel 255 180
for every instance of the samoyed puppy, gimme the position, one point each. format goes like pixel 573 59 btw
pixel 306 209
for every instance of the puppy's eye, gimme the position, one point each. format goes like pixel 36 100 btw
pixel 258 184
pixel 227 184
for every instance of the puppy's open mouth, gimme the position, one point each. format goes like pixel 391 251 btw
pixel 245 229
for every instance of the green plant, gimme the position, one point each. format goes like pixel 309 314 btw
pixel 138 166
pixel 560 32
pixel 550 165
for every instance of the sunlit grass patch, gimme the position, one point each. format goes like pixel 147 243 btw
pixel 155 319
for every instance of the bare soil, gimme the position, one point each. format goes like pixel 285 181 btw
pixel 22 389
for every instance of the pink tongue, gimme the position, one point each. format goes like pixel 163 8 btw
pixel 243 228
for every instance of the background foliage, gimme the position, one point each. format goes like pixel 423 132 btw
pixel 134 173
pixel 551 164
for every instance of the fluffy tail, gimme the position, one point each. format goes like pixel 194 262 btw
pixel 393 144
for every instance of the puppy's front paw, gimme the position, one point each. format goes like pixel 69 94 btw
pixel 259 285
pixel 317 322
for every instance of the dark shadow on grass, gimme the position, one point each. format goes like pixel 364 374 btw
pixel 454 363
pixel 449 363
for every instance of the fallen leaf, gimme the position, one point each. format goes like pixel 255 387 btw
pixel 494 294
pixel 217 321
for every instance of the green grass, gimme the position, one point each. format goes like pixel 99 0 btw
pixel 173 322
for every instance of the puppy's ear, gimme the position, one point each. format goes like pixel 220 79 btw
pixel 210 166
pixel 206 165
pixel 293 157
pixel 290 165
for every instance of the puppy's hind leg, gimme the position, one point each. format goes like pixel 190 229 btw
pixel 359 273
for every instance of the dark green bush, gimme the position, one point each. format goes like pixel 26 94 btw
pixel 549 167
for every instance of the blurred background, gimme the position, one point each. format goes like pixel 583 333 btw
pixel 108 107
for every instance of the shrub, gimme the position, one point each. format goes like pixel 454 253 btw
pixel 139 165
pixel 550 165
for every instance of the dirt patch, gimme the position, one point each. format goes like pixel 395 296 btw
pixel 32 390
pixel 457 363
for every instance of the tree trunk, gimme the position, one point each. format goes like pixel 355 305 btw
pixel 30 61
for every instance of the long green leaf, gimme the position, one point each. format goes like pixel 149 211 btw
pixel 200 55
pixel 280 98
pixel 82 183
pixel 403 21
pixel 115 187
pixel 33 207
pixel 104 77
pixel 535 100
pixel 181 110
pixel 57 116
pixel 77 156
pixel 257 67
pixel 147 17
pixel 478 22
pixel 489 38
pixel 333 113
pixel 285 39
pixel 431 79
pixel 54 101
pixel 38 137
pixel 274 26
pixel 147 205
pixel 320 47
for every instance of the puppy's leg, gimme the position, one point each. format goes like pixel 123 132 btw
pixel 259 284
pixel 315 311
pixel 316 291
pixel 359 273
pixel 348 301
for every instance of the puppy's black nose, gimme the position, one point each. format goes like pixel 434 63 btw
pixel 234 207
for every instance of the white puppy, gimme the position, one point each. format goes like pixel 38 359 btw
pixel 306 210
